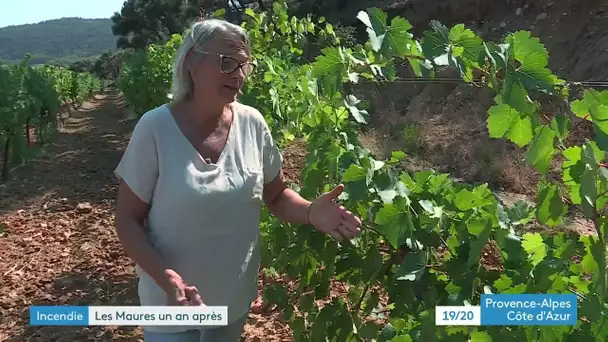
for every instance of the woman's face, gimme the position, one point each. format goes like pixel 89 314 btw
pixel 216 74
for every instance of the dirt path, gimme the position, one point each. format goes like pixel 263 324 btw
pixel 59 246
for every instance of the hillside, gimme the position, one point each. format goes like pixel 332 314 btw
pixel 66 38
pixel 442 125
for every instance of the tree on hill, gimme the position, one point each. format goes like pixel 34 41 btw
pixel 108 65
pixel 140 23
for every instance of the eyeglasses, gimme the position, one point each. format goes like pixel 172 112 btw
pixel 229 64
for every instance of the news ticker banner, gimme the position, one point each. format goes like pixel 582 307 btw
pixel 129 315
pixel 494 309
pixel 512 309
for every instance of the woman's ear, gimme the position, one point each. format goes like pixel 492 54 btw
pixel 190 61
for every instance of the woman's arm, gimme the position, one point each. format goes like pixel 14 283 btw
pixel 285 203
pixel 131 213
pixel 324 213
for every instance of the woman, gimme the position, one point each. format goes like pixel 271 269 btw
pixel 197 171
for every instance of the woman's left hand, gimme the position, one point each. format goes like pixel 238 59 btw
pixel 328 216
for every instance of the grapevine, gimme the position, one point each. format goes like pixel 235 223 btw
pixel 152 68
pixel 423 233
pixel 30 99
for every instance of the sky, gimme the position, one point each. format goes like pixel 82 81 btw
pixel 18 12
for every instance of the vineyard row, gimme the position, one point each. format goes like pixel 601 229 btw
pixel 30 101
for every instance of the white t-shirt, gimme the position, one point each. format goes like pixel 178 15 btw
pixel 204 218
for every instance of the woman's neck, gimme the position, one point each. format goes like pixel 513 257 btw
pixel 204 114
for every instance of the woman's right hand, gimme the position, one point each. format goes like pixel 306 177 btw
pixel 180 293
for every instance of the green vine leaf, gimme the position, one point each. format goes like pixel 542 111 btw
pixel 551 208
pixel 542 150
pixel 506 121
pixel 391 40
pixel 395 221
pixel 480 336
pixel 412 268
pixel 458 47
pixel 534 245
pixel 351 103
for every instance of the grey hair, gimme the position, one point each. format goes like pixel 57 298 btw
pixel 196 38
